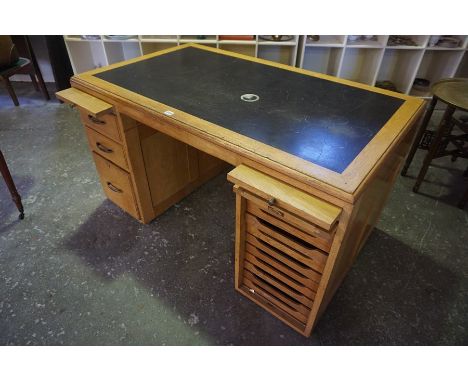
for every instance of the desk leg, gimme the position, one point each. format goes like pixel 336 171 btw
pixel 11 185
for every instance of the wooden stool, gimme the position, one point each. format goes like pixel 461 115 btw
pixel 11 185
pixel 454 93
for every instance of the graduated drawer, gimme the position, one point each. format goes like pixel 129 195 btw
pixel 105 124
pixel 117 184
pixel 107 148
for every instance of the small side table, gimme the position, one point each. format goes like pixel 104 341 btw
pixel 11 185
pixel 454 93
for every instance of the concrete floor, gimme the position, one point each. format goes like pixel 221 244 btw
pixel 79 271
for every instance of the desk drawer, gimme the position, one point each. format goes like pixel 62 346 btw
pixel 107 148
pixel 117 185
pixel 105 124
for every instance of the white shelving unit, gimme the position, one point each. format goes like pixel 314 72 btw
pixel 365 61
pixel 87 54
pixel 369 61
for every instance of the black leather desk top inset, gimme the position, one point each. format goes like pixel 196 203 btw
pixel 323 122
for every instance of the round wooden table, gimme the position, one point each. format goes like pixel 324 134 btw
pixel 454 93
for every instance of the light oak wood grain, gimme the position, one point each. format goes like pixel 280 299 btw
pixel 92 105
pixel 107 148
pixel 105 125
pixel 117 185
pixel 317 211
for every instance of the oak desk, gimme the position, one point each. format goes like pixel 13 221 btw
pixel 315 156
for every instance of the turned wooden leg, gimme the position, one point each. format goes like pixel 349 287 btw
pixel 11 185
pixel 11 91
pixel 33 80
pixel 417 139
pixel 434 146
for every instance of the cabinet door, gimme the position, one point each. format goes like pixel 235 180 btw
pixel 170 165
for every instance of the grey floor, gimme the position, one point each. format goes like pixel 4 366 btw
pixel 79 271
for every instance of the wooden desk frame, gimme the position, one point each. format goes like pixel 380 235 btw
pixel 360 191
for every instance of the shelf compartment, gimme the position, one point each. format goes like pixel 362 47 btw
pixel 292 42
pixel 399 67
pixel 277 43
pixel 158 38
pixel 150 47
pixel 209 39
pixel 327 40
pixel 87 56
pixel 380 42
pixel 439 64
pixel 283 54
pixel 121 50
pixel 361 65
pixel 237 42
pixel 462 45
pixel 419 40
pixel 247 49
pixel 76 37
pixel 234 39
pixel 322 59
pixel 463 67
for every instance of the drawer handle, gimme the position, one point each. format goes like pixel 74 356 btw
pixel 271 201
pixel 96 120
pixel 103 148
pixel 113 188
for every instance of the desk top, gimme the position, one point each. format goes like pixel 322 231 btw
pixel 330 129
pixel 323 122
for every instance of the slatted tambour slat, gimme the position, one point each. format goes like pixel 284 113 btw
pixel 323 244
pixel 273 309
pixel 298 269
pixel 266 246
pixel 272 280
pixel 286 237
pixel 275 301
pixel 251 280
pixel 284 244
